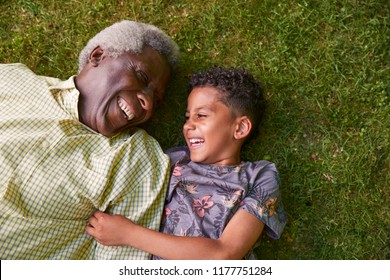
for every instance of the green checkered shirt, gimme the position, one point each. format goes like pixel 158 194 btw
pixel 55 172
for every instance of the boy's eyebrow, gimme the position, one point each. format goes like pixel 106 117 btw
pixel 205 107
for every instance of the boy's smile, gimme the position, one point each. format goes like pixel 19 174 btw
pixel 196 142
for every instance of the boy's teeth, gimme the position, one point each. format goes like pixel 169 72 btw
pixel 196 140
pixel 125 110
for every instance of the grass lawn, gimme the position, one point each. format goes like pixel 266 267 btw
pixel 325 67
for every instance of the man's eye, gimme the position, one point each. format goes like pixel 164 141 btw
pixel 142 77
pixel 200 116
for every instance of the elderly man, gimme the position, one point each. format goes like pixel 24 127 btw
pixel 70 147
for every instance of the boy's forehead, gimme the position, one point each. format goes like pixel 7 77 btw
pixel 204 98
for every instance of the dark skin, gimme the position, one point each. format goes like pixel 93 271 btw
pixel 122 92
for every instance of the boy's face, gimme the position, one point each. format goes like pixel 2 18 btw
pixel 209 129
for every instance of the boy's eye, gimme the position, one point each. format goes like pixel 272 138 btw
pixel 198 116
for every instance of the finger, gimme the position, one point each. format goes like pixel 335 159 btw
pixel 90 230
pixel 92 221
pixel 98 214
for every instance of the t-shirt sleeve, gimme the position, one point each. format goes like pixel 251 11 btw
pixel 264 199
pixel 176 154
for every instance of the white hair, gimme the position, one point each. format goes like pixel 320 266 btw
pixel 131 36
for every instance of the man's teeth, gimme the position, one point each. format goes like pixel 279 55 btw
pixel 196 140
pixel 126 111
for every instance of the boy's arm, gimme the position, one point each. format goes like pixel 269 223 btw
pixel 237 239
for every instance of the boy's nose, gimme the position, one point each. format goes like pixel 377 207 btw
pixel 188 125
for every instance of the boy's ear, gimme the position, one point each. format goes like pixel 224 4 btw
pixel 243 127
pixel 96 56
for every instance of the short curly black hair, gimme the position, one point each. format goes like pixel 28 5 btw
pixel 240 91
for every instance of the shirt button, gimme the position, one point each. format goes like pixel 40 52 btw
pixel 45 144
pixel 18 181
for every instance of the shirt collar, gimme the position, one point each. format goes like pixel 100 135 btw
pixel 67 96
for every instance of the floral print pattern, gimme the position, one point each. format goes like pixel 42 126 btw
pixel 201 205
pixel 202 198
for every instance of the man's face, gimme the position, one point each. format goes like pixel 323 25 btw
pixel 118 93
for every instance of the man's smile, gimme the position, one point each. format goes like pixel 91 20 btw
pixel 126 108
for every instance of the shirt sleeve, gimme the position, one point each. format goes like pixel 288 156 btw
pixel 180 153
pixel 141 198
pixel 264 199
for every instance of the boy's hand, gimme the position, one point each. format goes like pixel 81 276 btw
pixel 108 229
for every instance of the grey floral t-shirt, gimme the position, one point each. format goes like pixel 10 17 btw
pixel 202 198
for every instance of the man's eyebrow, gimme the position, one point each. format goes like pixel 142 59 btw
pixel 133 68
pixel 130 66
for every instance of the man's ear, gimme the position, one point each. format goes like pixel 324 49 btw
pixel 96 56
pixel 243 127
